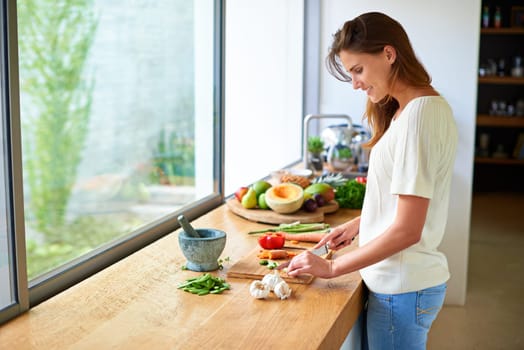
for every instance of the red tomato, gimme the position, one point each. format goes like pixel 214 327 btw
pixel 272 240
pixel 361 179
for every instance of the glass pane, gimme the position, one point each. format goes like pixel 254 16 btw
pixel 117 119
pixel 6 286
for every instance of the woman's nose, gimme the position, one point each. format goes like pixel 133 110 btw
pixel 356 84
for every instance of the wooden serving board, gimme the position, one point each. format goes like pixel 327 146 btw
pixel 250 268
pixel 272 217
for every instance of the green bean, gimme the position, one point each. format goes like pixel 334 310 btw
pixel 196 281
pixel 204 284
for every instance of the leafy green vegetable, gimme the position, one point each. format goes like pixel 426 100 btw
pixel 351 195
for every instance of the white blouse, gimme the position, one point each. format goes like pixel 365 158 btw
pixel 415 156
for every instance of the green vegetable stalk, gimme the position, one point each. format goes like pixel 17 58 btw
pixel 297 227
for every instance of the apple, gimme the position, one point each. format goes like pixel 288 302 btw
pixel 240 193
pixel 261 186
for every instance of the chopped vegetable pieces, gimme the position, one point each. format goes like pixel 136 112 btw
pixel 205 284
pixel 276 254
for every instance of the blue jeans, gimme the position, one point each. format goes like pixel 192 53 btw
pixel 401 321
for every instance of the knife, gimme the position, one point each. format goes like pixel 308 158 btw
pixel 320 251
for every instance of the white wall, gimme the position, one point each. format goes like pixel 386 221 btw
pixel 263 92
pixel 445 35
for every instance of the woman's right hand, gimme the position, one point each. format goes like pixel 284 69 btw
pixel 342 235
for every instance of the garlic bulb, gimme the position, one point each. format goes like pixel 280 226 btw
pixel 259 289
pixel 272 279
pixel 282 290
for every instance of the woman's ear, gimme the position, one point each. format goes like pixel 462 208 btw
pixel 391 53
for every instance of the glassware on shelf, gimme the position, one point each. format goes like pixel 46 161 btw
pixel 485 17
pixel 497 18
pixel 517 70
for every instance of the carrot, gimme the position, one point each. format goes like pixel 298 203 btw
pixel 275 254
pixel 304 237
pixel 291 254
pixel 263 254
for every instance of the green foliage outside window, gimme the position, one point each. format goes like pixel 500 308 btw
pixel 78 237
pixel 173 160
pixel 55 37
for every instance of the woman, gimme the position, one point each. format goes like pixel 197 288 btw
pixel 403 218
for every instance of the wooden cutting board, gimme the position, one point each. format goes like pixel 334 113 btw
pixel 272 217
pixel 250 268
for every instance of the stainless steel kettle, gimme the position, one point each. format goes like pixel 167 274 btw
pixel 345 150
pixel 338 138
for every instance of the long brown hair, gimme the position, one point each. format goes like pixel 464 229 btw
pixel 369 33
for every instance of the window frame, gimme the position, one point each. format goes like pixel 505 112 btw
pixel 13 168
pixel 28 294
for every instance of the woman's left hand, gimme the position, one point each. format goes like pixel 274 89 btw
pixel 308 262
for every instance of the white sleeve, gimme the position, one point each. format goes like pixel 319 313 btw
pixel 417 155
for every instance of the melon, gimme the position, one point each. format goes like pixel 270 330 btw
pixel 285 198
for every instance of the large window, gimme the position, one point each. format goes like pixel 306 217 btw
pixel 120 129
pixel 109 114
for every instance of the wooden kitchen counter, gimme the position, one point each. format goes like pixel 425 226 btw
pixel 135 304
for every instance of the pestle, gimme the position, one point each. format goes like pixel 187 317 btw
pixel 190 231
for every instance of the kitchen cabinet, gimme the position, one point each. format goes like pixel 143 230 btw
pixel 500 101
